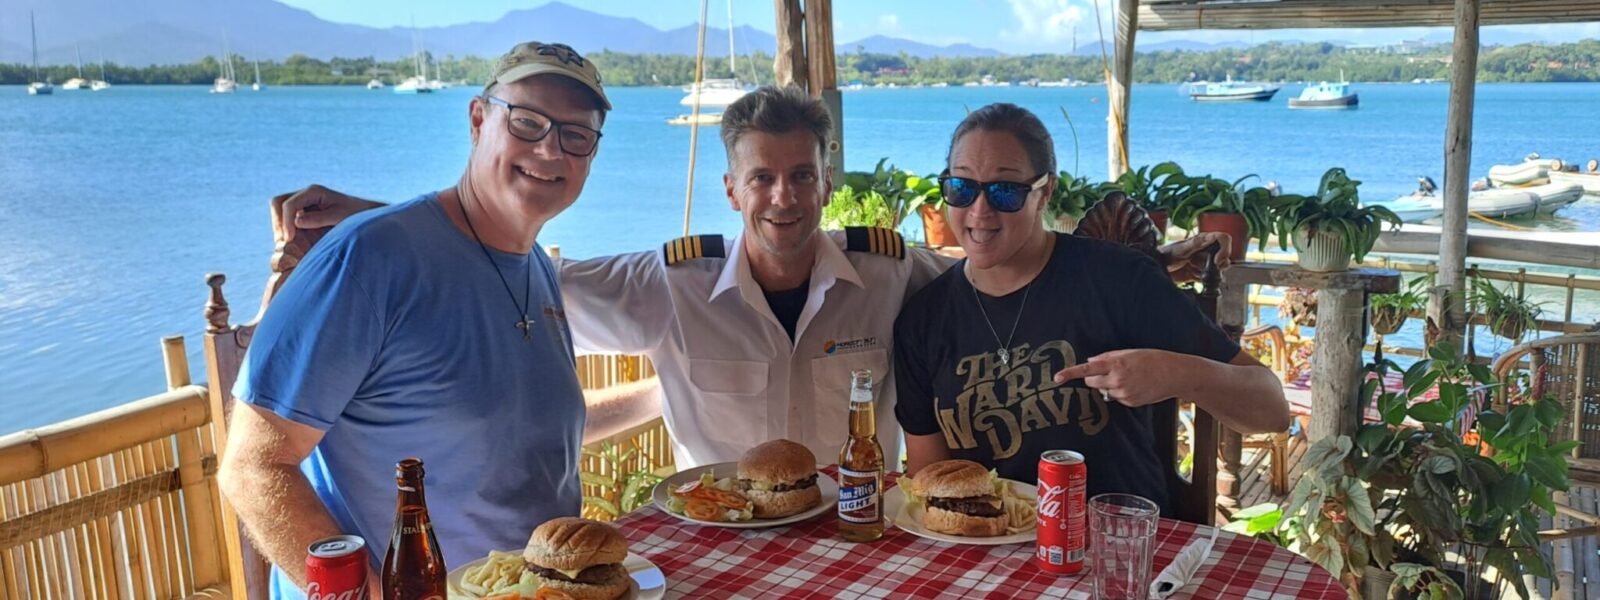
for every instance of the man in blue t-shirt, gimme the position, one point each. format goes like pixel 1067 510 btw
pixel 433 328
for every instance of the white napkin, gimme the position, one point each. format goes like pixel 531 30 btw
pixel 1177 574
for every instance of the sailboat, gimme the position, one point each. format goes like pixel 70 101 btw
pixel 100 84
pixel 416 84
pixel 225 84
pixel 375 84
pixel 719 93
pixel 77 83
pixel 36 87
pixel 257 85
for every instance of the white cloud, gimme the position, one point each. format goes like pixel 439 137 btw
pixel 1042 22
pixel 888 24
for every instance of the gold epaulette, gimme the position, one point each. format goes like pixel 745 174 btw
pixel 692 247
pixel 877 240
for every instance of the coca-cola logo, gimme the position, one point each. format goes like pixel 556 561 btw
pixel 1051 500
pixel 314 592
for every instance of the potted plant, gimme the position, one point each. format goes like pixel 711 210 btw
pixel 1404 495
pixel 1217 205
pixel 1509 314
pixel 1144 187
pixel 1331 227
pixel 884 198
pixel 1073 196
pixel 1390 311
pixel 925 194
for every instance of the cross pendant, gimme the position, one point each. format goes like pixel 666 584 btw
pixel 1005 357
pixel 526 325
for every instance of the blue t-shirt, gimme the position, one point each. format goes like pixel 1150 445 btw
pixel 396 338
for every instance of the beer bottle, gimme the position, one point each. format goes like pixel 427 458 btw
pixel 861 467
pixel 414 568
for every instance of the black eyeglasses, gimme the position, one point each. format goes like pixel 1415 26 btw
pixel 530 125
pixel 1004 196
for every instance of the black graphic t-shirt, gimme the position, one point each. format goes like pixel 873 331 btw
pixel 1092 297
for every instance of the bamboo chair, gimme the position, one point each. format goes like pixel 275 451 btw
pixel 1568 367
pixel 225 346
pixel 118 504
pixel 1117 219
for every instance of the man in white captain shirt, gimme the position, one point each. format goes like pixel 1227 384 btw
pixel 753 339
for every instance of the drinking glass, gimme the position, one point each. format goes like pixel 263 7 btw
pixel 1122 534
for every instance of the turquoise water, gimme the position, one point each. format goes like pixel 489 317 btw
pixel 115 204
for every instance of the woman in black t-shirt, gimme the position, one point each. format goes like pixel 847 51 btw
pixel 1041 341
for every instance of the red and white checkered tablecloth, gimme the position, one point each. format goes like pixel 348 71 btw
pixel 809 560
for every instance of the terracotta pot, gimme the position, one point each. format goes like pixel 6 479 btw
pixel 1159 217
pixel 935 229
pixel 1233 225
pixel 1323 252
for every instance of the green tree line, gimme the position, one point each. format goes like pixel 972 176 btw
pixel 1578 61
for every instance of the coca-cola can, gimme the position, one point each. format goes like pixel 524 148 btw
pixel 1063 512
pixel 336 568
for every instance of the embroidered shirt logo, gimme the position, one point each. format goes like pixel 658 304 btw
pixel 832 347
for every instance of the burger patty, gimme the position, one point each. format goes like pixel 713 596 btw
pixel 744 484
pixel 594 575
pixel 977 506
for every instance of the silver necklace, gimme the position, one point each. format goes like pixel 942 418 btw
pixel 1005 347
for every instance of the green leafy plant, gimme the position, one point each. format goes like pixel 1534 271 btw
pixel 1337 208
pixel 1212 195
pixel 1510 315
pixel 1264 522
pixel 1072 197
pixel 1169 185
pixel 622 490
pixel 1458 475
pixel 1390 311
pixel 881 198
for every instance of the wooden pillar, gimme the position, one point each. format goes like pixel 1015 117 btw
pixel 790 65
pixel 1118 87
pixel 1337 362
pixel 1445 306
pixel 823 73
pixel 1233 311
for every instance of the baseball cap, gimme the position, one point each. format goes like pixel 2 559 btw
pixel 538 58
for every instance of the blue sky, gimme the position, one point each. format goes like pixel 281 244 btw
pixel 1014 26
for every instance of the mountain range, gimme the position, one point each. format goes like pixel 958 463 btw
pixel 143 32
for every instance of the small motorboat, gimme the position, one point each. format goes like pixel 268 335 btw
pixel 1531 171
pixel 1412 209
pixel 1555 196
pixel 703 119
pixel 1501 202
pixel 1327 95
pixel 1588 179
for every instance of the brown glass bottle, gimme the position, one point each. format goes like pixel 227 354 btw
pixel 861 467
pixel 413 569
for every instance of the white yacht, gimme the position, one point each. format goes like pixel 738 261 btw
pixel 100 85
pixel 719 93
pixel 257 85
pixel 77 83
pixel 375 84
pixel 416 84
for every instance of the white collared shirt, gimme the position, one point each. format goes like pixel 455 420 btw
pixel 731 376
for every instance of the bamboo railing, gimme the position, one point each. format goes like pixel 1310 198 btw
pixel 646 448
pixel 121 503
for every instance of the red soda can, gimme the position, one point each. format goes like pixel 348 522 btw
pixel 1063 512
pixel 336 568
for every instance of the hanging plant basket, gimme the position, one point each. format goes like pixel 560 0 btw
pixel 1299 305
pixel 1386 320
pixel 1508 326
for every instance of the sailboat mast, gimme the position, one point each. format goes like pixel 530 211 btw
pixel 33 34
pixel 79 51
pixel 733 64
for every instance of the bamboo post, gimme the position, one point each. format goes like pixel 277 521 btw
pixel 1119 85
pixel 1336 362
pixel 1445 305
pixel 824 82
pixel 790 67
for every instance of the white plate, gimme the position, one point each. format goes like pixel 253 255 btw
pixel 908 517
pixel 648 582
pixel 662 493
